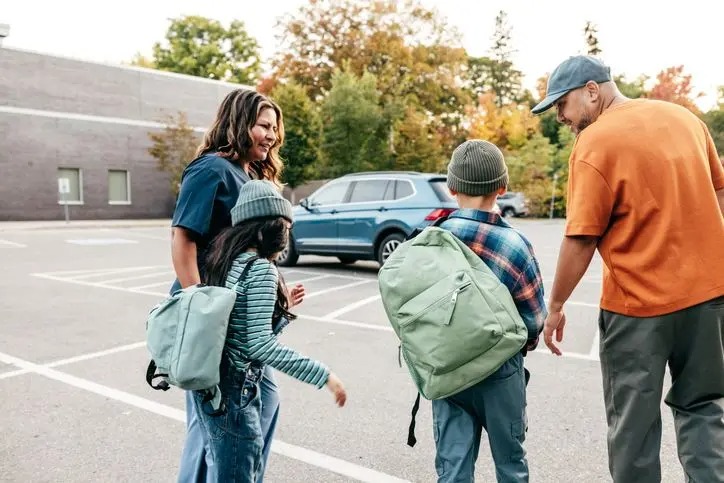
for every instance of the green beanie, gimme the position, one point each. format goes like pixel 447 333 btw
pixel 257 199
pixel 477 168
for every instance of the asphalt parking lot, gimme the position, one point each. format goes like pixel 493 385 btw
pixel 75 405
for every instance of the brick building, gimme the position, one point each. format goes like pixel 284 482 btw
pixel 88 123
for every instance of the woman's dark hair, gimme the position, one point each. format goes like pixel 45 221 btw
pixel 230 134
pixel 268 236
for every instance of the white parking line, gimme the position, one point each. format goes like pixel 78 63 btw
pixel 330 274
pixel 19 372
pixel 310 457
pixel 310 279
pixel 348 323
pixel 339 287
pixel 166 283
pixel 166 273
pixel 111 271
pixel 352 306
pixel 12 244
pixel 596 345
pixel 94 355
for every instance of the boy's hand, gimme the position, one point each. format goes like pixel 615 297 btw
pixel 555 322
pixel 296 295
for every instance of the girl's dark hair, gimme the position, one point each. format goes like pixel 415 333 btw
pixel 268 236
pixel 230 134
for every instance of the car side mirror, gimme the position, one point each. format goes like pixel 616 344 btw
pixel 304 203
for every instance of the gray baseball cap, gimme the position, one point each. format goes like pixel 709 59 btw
pixel 571 74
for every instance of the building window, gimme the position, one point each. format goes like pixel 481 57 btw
pixel 119 187
pixel 70 186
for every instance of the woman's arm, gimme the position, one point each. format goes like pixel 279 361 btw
pixel 183 255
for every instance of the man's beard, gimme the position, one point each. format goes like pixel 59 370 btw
pixel 586 120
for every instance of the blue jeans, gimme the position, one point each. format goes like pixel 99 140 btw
pixel 496 405
pixel 197 465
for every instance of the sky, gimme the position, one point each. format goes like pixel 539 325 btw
pixel 636 36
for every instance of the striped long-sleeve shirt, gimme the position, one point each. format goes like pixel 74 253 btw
pixel 250 336
pixel 510 256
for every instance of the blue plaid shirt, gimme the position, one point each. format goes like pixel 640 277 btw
pixel 510 256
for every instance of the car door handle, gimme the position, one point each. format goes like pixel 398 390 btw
pixel 382 208
pixel 333 212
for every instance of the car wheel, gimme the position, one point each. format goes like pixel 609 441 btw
pixel 347 260
pixel 508 213
pixel 289 256
pixel 388 245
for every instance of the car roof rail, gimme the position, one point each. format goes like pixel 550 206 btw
pixel 367 173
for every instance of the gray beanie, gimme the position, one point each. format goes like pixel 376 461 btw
pixel 260 198
pixel 477 168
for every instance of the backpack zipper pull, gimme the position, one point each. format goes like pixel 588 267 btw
pixel 453 300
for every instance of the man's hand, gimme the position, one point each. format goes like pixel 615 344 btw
pixel 296 295
pixel 555 322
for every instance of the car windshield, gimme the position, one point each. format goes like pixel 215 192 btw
pixel 441 190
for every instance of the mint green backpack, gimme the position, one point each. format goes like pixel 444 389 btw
pixel 186 337
pixel 457 323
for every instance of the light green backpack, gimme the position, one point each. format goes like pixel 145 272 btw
pixel 457 323
pixel 186 337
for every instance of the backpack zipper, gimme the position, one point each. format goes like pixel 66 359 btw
pixel 453 299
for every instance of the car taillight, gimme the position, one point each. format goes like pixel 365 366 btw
pixel 438 213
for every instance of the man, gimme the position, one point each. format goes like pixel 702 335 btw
pixel 646 187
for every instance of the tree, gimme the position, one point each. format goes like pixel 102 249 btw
pixel 205 48
pixel 354 137
pixel 416 59
pixel 590 34
pixel 174 147
pixel 141 60
pixel 417 145
pixel 509 127
pixel 504 79
pixel 530 171
pixel 633 89
pixel 715 121
pixel 674 86
pixel 302 128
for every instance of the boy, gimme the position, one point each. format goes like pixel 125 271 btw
pixel 477 174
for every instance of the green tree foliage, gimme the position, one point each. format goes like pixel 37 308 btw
pixel 205 48
pixel 353 132
pixel 302 126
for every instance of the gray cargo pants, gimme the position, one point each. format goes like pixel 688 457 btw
pixel 634 354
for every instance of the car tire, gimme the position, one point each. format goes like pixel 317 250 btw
pixel 346 260
pixel 388 245
pixel 508 212
pixel 289 256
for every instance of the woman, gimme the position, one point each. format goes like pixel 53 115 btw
pixel 242 143
pixel 241 258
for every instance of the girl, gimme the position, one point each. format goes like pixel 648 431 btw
pixel 242 143
pixel 244 253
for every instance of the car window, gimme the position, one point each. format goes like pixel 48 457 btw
pixel 368 190
pixel 332 194
pixel 403 189
pixel 439 186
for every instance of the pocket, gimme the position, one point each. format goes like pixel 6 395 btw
pixel 244 412
pixel 429 336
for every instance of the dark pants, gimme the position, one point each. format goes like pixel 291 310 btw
pixel 634 355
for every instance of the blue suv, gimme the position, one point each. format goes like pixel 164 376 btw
pixel 365 216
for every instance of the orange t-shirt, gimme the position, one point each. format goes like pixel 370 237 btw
pixel 643 178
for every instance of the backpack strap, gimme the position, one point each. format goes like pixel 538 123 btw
pixel 419 230
pixel 245 272
pixel 411 439
pixel 151 375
